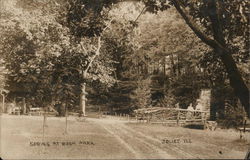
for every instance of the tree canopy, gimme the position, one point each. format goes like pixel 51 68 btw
pixel 125 52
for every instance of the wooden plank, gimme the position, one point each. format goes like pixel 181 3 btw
pixel 246 129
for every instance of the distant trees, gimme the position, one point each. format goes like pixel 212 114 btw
pixel 173 59
pixel 81 41
pixel 226 22
pixel 204 24
pixel 45 61
pixel 120 42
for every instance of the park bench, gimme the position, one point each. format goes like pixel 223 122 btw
pixel 40 111
pixel 16 111
pixel 35 111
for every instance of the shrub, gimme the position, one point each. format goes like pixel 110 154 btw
pixel 233 117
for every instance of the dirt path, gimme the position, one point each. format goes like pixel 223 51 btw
pixel 141 146
pixel 145 145
pixel 112 139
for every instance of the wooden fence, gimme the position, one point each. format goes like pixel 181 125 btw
pixel 117 116
pixel 171 116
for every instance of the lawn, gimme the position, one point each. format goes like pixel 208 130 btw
pixel 22 138
pixel 221 143
pixel 18 134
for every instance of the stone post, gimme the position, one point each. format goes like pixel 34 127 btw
pixel 83 99
pixel 24 106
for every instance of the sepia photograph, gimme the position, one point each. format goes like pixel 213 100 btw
pixel 124 79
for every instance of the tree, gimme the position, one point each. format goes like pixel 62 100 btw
pixel 49 60
pixel 218 20
pixel 120 42
pixel 80 28
pixel 142 94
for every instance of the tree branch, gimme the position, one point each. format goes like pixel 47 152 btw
pixel 190 22
pixel 108 25
pixel 97 52
pixel 140 14
pixel 83 48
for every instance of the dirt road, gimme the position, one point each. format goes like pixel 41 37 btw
pixel 138 144
pixel 22 138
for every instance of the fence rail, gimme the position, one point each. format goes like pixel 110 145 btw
pixel 171 116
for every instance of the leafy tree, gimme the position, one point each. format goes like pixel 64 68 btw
pixel 225 21
pixel 87 17
pixel 79 29
pixel 49 62
pixel 142 94
pixel 169 64
pixel 212 19
pixel 120 45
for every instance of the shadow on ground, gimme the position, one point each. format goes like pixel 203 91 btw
pixel 194 126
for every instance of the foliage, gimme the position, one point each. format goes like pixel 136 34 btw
pixel 220 25
pixel 3 72
pixel 48 45
pixel 142 94
pixel 186 89
pixel 87 17
pixel 234 116
pixel 177 75
pixel 120 44
pixel 48 62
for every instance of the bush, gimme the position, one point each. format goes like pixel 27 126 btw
pixel 233 117
pixel 142 94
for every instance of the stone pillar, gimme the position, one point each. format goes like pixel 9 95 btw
pixel 205 101
pixel 83 99
pixel 24 106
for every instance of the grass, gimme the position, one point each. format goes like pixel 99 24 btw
pixel 206 144
pixel 17 132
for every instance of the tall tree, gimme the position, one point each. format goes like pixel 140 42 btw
pixel 48 59
pixel 222 20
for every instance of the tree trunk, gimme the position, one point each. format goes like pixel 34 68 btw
pixel 236 80
pixel 178 66
pixel 173 69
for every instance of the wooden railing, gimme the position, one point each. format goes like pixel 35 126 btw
pixel 171 115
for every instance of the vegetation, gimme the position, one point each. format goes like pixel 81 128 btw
pixel 130 54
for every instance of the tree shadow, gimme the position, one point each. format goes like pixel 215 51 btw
pixel 194 126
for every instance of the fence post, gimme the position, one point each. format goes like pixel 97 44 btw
pixel 148 118
pixel 66 125
pixel 143 118
pixel 162 119
pixel 244 124
pixel 66 120
pixel 44 121
pixel 178 117
pixel 204 120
